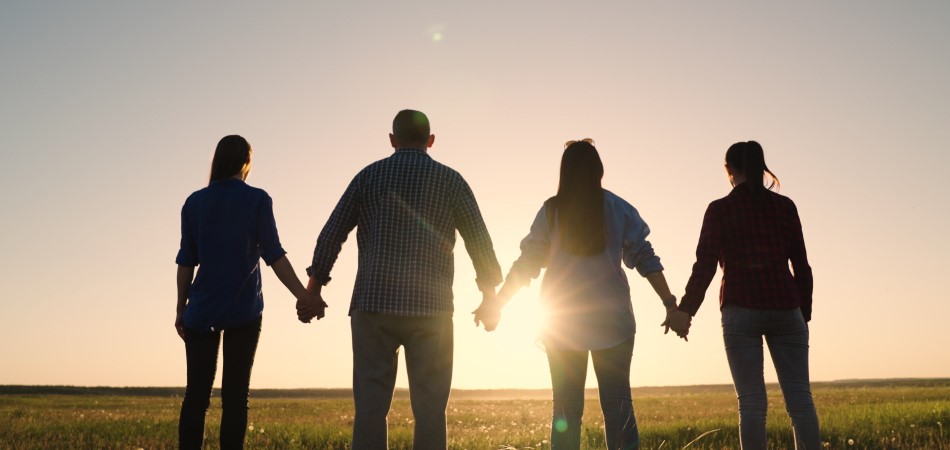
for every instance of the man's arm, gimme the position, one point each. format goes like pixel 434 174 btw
pixel 471 226
pixel 308 304
pixel 330 242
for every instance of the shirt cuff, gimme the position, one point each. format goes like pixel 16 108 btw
pixel 323 280
pixel 649 266
pixel 270 257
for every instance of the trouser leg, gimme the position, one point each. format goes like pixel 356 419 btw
pixel 240 346
pixel 788 345
pixel 744 352
pixel 201 355
pixel 568 373
pixel 429 353
pixel 375 361
pixel 612 367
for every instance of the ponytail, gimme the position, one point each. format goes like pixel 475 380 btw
pixel 749 159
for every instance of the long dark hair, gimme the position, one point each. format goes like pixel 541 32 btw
pixel 749 159
pixel 580 200
pixel 229 157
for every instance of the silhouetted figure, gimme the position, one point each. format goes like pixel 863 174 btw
pixel 226 228
pixel 753 234
pixel 581 235
pixel 406 209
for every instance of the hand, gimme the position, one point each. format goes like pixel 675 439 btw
pixel 489 312
pixel 180 325
pixel 677 320
pixel 310 305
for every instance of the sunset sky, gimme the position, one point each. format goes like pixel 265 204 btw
pixel 110 111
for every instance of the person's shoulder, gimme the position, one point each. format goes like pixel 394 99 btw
pixel 721 204
pixel 255 191
pixel 781 199
pixel 198 196
pixel 610 197
pixel 615 202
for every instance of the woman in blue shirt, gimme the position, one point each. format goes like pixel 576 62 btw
pixel 581 235
pixel 226 228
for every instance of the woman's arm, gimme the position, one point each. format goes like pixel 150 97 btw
pixel 675 319
pixel 309 304
pixel 534 256
pixel 186 274
pixel 707 257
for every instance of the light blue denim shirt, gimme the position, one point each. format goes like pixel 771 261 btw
pixel 586 299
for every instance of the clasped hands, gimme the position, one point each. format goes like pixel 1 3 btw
pixel 677 320
pixel 310 304
pixel 489 311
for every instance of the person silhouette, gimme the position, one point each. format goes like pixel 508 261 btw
pixel 406 208
pixel 581 236
pixel 753 234
pixel 226 229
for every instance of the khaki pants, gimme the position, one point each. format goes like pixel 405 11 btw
pixel 428 345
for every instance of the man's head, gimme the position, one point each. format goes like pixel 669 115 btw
pixel 411 129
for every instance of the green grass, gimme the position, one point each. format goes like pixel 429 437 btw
pixel 888 414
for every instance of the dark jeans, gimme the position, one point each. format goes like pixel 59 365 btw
pixel 428 343
pixel 568 375
pixel 201 349
pixel 786 334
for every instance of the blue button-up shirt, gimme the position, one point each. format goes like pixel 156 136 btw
pixel 226 228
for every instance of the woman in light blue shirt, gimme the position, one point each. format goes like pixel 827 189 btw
pixel 580 236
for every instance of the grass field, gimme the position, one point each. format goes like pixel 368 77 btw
pixel 887 414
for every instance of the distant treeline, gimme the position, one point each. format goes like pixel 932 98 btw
pixel 458 394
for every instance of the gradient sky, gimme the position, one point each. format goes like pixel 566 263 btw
pixel 110 111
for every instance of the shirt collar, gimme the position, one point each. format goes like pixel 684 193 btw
pixel 411 150
pixel 738 188
pixel 225 181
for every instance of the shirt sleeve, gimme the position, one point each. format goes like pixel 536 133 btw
pixel 341 222
pixel 799 260
pixel 188 250
pixel 268 240
pixel 637 251
pixel 535 250
pixel 471 226
pixel 707 257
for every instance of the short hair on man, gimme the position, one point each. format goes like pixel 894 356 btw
pixel 411 127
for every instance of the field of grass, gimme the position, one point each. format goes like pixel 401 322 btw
pixel 887 414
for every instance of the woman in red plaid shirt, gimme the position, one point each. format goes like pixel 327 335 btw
pixel 753 234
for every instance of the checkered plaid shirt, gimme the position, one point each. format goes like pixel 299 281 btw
pixel 754 243
pixel 406 209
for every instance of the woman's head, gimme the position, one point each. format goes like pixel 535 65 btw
pixel 232 157
pixel 580 199
pixel 746 160
pixel 581 167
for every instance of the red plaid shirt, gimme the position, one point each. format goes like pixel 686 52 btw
pixel 753 241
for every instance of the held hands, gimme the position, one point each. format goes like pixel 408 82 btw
pixel 678 321
pixel 489 312
pixel 310 304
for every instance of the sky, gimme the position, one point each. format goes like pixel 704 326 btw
pixel 110 111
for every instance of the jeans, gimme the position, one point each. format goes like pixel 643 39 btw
pixel 428 342
pixel 201 350
pixel 786 334
pixel 568 375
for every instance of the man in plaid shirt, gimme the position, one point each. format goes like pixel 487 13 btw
pixel 406 209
